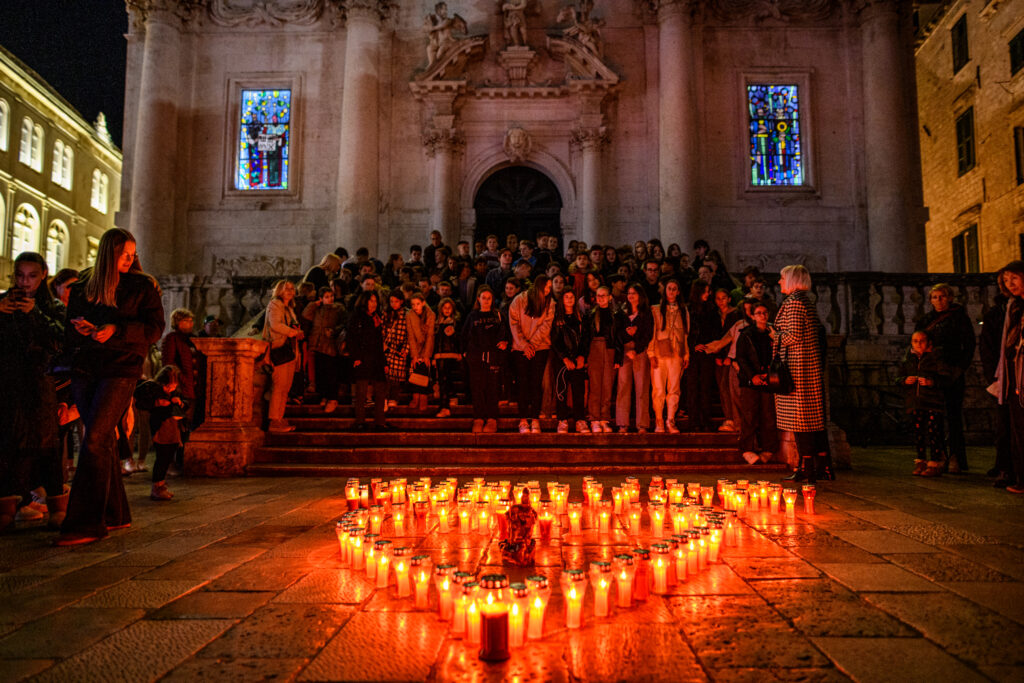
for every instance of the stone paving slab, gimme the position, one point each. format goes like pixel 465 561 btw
pixel 947 567
pixel 877 577
pixel 139 593
pixel 1005 598
pixel 880 542
pixel 212 605
pixel 66 632
pixel 911 660
pixel 280 631
pixel 649 652
pixel 232 670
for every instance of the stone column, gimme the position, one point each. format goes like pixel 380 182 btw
pixel 590 141
pixel 442 145
pixel 225 444
pixel 358 183
pixel 154 149
pixel 896 234
pixel 678 150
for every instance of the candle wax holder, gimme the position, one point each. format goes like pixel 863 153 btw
pixel 519 599
pixel 624 571
pixel 601 580
pixel 574 588
pixel 445 597
pixel 539 594
pixel 809 494
pixel 642 577
pixel 660 559
pixel 421 575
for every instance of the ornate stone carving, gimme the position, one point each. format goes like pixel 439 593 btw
pixel 514 21
pixel 375 9
pixel 439 28
pixel 442 139
pixel 270 12
pixel 256 266
pixel 773 10
pixel 586 137
pixel 142 11
pixel 516 61
pixel 584 30
pixel 517 144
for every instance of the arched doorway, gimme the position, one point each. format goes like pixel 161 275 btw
pixel 519 200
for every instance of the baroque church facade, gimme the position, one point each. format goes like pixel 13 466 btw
pixel 261 134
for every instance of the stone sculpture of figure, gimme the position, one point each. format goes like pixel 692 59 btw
pixel 440 28
pixel 515 22
pixel 518 546
pixel 584 29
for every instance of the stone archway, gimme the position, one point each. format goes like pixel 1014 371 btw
pixel 520 200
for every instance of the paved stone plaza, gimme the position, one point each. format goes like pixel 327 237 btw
pixel 895 578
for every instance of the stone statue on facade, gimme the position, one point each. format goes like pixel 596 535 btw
pixel 517 144
pixel 514 13
pixel 584 30
pixel 440 28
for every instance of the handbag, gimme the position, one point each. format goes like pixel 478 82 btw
pixel 282 354
pixel 780 379
pixel 420 375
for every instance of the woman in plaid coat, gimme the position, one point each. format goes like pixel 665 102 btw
pixel 396 345
pixel 798 338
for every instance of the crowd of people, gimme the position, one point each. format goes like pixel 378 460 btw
pixel 604 339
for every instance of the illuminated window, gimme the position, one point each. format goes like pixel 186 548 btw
pixel 25 236
pixel 56 246
pixel 775 144
pixel 100 188
pixel 5 124
pixel 264 138
pixel 63 162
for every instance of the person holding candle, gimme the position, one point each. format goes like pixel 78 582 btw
pixel 530 317
pixel 924 376
pixel 570 341
pixel 634 332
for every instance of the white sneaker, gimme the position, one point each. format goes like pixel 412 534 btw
pixel 524 427
pixel 28 513
pixel 535 427
pixel 331 406
pixel 595 426
pixel 444 412
pixel 563 427
pixel 581 427
pixel 727 426
pixel 751 457
pixel 766 456
pixel 606 427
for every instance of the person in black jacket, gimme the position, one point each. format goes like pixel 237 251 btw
pixel 31 332
pixel 485 338
pixel 923 377
pixel 114 315
pixel 570 340
pixel 601 324
pixel 988 348
pixel 365 343
pixel 634 332
pixel 162 398
pixel 700 375
pixel 952 333
pixel 759 438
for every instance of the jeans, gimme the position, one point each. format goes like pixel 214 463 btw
pixel 326 370
pixel 634 376
pixel 955 414
pixel 601 371
pixel 665 386
pixel 700 388
pixel 97 497
pixel 280 383
pixel 380 394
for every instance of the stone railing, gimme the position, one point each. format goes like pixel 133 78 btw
pixel 868 317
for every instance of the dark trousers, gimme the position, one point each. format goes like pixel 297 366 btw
pixel 485 386
pixel 1016 415
pixel 97 497
pixel 1004 450
pixel 530 378
pixel 813 450
pixel 928 434
pixel 326 369
pixel 164 455
pixel 380 395
pixel 955 414
pixel 446 371
pixel 571 384
pixel 758 430
pixel 700 390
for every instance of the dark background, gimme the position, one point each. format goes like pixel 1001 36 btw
pixel 77 46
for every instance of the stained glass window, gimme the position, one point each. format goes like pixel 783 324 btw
pixel 775 150
pixel 263 140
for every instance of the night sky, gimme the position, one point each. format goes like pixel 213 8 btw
pixel 77 46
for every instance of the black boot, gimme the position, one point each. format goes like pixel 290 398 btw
pixel 823 467
pixel 803 472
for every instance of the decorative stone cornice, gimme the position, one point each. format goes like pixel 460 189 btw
pixel 584 64
pixel 376 10
pixel 588 137
pixel 174 12
pixel 783 11
pixel 233 13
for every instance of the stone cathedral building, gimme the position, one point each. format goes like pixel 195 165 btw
pixel 263 133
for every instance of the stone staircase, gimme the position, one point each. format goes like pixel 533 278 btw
pixel 323 445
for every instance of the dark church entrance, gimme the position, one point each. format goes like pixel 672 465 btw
pixel 519 200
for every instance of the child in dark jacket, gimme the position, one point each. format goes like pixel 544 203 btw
pixel 162 399
pixel 923 377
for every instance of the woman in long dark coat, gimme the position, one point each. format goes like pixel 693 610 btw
pixel 365 343
pixel 798 338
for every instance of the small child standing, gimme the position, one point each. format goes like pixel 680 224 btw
pixel 923 377
pixel 162 398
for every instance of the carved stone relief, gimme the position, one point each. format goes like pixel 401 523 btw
pixel 517 144
pixel 773 10
pixel 584 30
pixel 440 27
pixel 256 266
pixel 270 12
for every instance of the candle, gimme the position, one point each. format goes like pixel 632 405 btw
pixel 539 593
pixel 679 552
pixel 641 578
pixel 692 553
pixel 462 601
pixel 693 489
pixel 741 502
pixel 773 498
pixel 604 515
pixel 444 583
pixel 809 493
pixel 376 518
pixel 624 570
pixel 355 537
pixel 421 574
pixel 707 494
pixel 716 542
pixel 398 519
pixel 519 602
pixel 370 555
pixel 635 518
pixel 545 520
pixel 383 551
pixel 403 567
pixel 483 517
pixel 352 494
pixel 731 525
pixel 472 613
pixel 364 496
pixel 442 517
pixel 702 547
pixel 493 606
pixel 656 512
pixel 789 496
pixel 575 518
pixel 601 578
pixel 465 517
pixel 341 531
pixel 617 499
pixel 679 521
pixel 574 588
pixel 659 567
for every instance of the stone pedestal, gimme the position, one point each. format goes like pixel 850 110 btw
pixel 516 61
pixel 224 445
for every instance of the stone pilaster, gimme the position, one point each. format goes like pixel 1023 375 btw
pixel 895 228
pixel 678 150
pixel 358 185
pixel 590 141
pixel 443 143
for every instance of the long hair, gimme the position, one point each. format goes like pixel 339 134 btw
pixel 43 294
pixel 560 313
pixel 697 289
pixel 101 284
pixel 642 304
pixel 536 302
pixel 362 302
pixel 279 289
pixel 663 306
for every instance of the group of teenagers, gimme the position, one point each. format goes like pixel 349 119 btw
pixel 603 339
